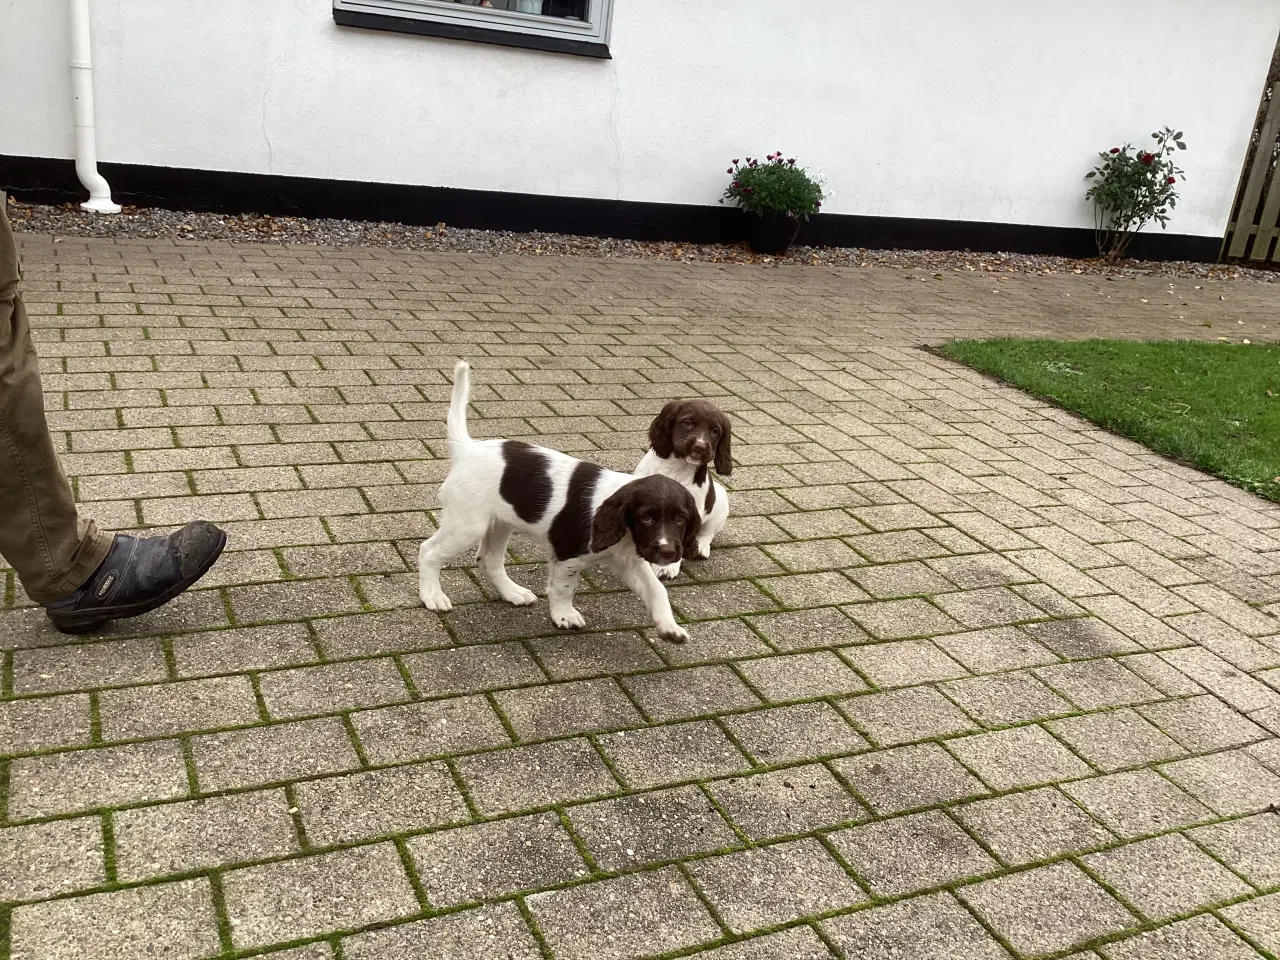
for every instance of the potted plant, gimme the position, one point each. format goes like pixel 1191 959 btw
pixel 776 195
pixel 1132 188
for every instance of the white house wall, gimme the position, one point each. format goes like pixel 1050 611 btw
pixel 986 110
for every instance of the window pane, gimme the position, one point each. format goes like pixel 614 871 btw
pixel 564 9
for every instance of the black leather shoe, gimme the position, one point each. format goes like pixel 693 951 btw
pixel 139 575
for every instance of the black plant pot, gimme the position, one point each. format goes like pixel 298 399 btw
pixel 772 232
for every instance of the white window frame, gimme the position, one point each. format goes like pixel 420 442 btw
pixel 595 30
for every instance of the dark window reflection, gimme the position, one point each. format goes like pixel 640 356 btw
pixel 565 9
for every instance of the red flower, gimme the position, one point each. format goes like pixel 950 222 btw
pixel 735 162
pixel 1115 149
pixel 1147 158
pixel 736 184
pixel 730 170
pixel 1172 180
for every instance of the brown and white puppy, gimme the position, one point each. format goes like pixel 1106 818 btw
pixel 685 439
pixel 580 512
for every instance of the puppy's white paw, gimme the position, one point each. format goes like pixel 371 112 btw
pixel 667 571
pixel 673 633
pixel 703 551
pixel 569 619
pixel 519 596
pixel 433 598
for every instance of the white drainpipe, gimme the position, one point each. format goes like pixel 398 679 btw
pixel 82 91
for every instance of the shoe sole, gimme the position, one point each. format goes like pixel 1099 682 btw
pixel 87 621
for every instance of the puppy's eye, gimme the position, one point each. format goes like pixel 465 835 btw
pixel 680 520
pixel 715 431
pixel 647 519
pixel 687 424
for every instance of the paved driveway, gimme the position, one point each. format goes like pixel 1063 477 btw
pixel 968 678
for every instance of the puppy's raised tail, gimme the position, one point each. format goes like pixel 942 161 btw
pixel 457 422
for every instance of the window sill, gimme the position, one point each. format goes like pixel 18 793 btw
pixel 460 31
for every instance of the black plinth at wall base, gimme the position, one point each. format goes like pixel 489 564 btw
pixel 43 180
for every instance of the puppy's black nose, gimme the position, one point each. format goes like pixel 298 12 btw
pixel 701 448
pixel 667 554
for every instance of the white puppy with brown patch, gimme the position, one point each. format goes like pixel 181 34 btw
pixel 580 512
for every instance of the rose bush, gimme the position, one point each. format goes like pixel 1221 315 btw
pixel 1131 189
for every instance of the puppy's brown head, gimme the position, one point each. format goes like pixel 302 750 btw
pixel 658 512
pixel 693 430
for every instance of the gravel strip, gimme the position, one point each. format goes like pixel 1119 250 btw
pixel 144 223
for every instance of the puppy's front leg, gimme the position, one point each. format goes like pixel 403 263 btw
pixel 562 581
pixel 639 576
pixel 713 524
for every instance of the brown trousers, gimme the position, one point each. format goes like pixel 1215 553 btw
pixel 42 535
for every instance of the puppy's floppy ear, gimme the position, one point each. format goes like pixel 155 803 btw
pixel 724 452
pixel 660 429
pixel 612 519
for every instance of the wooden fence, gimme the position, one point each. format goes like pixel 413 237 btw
pixel 1252 232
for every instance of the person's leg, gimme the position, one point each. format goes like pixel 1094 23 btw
pixel 83 576
pixel 41 533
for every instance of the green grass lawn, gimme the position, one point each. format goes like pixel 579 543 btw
pixel 1213 405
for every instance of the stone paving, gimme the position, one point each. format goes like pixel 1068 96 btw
pixel 968 678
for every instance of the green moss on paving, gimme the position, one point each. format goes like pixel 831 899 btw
pixel 1213 405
